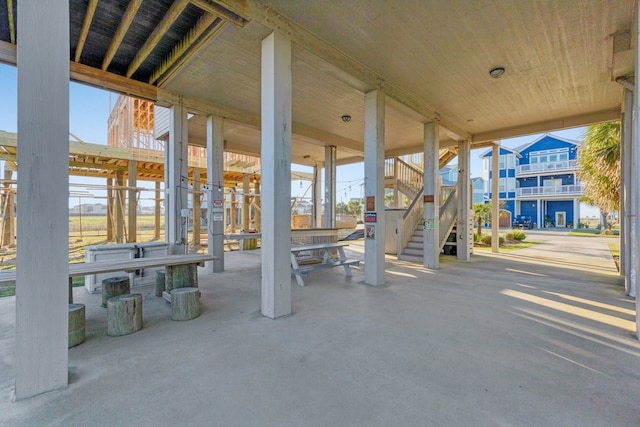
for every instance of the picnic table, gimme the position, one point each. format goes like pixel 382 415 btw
pixel 308 258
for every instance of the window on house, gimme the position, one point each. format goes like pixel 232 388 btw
pixel 485 164
pixel 501 187
pixel 501 162
pixel 552 183
pixel 511 161
pixel 511 185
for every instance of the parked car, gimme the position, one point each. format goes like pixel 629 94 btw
pixel 523 221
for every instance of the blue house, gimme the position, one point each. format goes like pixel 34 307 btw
pixel 449 177
pixel 539 180
pixel 506 182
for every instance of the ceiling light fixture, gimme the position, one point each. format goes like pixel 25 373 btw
pixel 346 118
pixel 497 72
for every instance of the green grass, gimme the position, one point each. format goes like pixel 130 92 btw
pixel 509 247
pixel 593 232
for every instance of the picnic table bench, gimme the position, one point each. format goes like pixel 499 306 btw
pixel 323 255
pixel 85 268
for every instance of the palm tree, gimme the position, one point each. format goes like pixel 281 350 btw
pixel 599 166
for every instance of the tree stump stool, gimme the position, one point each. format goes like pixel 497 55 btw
pixel 114 286
pixel 181 276
pixel 185 303
pixel 124 314
pixel 76 324
pixel 160 282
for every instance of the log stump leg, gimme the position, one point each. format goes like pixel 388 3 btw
pixel 76 324
pixel 160 282
pixel 181 276
pixel 185 303
pixel 114 286
pixel 124 314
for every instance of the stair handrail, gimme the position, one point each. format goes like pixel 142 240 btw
pixel 407 224
pixel 448 214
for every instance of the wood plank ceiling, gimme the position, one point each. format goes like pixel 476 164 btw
pixel 432 58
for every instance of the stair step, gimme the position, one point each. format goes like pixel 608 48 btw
pixel 411 258
pixel 418 232
pixel 415 245
pixel 417 239
pixel 413 251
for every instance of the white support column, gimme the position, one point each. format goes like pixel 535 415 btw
pixel 317 195
pixel 463 249
pixel 276 175
pixel 635 134
pixel 576 213
pixel 431 197
pixel 374 112
pixel 41 354
pixel 330 186
pixel 495 198
pixel 628 233
pixel 216 205
pixel 177 190
pixel 539 213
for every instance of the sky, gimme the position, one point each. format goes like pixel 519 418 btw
pixel 89 112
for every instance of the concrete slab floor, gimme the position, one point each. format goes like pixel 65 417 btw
pixel 527 338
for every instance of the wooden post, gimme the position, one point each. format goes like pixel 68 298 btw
pixel 76 324
pixel 124 314
pixel 156 213
pixel 196 206
pixel 119 208
pixel 246 207
pixel 234 208
pixel 114 286
pixel 132 208
pixel 8 229
pixel 160 282
pixel 181 276
pixel 185 303
pixel 110 219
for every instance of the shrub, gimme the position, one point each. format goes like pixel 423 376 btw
pixel 486 239
pixel 509 236
pixel 610 232
pixel 476 237
pixel 519 235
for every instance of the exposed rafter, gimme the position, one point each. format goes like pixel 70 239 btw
pixel 208 35
pixel 174 11
pixel 186 47
pixel 217 9
pixel 12 22
pixel 86 24
pixel 125 23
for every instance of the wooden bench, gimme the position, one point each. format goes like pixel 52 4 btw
pixel 127 265
pixel 241 237
pixel 323 256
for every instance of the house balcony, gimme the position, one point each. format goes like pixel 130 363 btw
pixel 550 191
pixel 538 168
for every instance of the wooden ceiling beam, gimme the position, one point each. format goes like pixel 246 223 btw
pixel 216 9
pixel 169 18
pixel 86 24
pixel 186 47
pixel 109 81
pixel 12 22
pixel 125 23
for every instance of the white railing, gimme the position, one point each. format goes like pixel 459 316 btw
pixel 547 167
pixel 448 213
pixel 408 222
pixel 558 190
